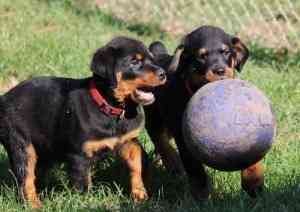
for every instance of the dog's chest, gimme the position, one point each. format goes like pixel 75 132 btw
pixel 121 131
pixel 94 130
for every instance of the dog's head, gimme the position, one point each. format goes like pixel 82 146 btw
pixel 127 67
pixel 210 54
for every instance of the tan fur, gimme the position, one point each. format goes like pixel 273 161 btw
pixel 168 153
pixel 129 150
pixel 94 146
pixel 232 62
pixel 202 51
pixel 175 60
pixel 253 176
pixel 126 87
pixel 139 56
pixel 89 179
pixel 29 189
pixel 131 153
pixel 211 77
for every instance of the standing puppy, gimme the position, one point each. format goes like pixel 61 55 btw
pixel 48 119
pixel 207 54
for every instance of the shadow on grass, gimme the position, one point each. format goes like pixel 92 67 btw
pixel 170 193
pixel 159 181
pixel 281 59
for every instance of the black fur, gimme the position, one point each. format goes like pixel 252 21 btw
pixel 163 118
pixel 58 115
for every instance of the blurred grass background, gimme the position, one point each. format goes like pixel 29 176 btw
pixel 271 23
pixel 58 37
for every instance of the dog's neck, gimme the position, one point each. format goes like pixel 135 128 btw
pixel 107 92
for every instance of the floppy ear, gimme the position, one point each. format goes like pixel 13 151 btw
pixel 176 59
pixel 160 53
pixel 102 65
pixel 241 53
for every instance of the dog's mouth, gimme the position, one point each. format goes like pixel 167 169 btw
pixel 222 77
pixel 143 96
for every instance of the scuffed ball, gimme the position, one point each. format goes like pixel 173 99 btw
pixel 229 125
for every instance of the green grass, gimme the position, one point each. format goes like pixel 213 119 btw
pixel 54 38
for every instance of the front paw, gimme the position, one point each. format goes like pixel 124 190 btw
pixel 139 195
pixel 200 189
pixel 254 191
pixel 36 204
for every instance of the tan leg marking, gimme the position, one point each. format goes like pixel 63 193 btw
pixel 92 147
pixel 252 177
pixel 131 153
pixel 89 179
pixel 168 153
pixel 29 189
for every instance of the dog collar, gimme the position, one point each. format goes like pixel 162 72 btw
pixel 102 103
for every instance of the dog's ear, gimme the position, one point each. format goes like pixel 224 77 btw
pixel 157 48
pixel 102 65
pixel 241 53
pixel 161 54
pixel 176 58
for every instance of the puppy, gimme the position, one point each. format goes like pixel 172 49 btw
pixel 205 55
pixel 49 119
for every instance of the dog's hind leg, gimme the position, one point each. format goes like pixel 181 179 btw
pixel 23 159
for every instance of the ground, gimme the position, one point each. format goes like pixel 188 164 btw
pixel 40 37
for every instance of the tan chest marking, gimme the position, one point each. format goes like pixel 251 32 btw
pixel 91 147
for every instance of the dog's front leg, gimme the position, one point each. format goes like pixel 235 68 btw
pixel 252 179
pixel 79 168
pixel 133 155
pixel 199 181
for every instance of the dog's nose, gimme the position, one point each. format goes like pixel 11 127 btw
pixel 220 71
pixel 161 74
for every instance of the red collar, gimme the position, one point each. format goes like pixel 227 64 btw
pixel 102 103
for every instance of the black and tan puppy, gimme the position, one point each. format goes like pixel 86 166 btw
pixel 207 54
pixel 49 119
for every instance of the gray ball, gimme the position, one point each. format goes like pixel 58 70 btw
pixel 229 125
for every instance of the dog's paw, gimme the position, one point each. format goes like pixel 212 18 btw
pixel 139 195
pixel 36 204
pixel 255 191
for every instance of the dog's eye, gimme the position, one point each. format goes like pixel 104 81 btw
pixel 225 52
pixel 203 56
pixel 135 62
